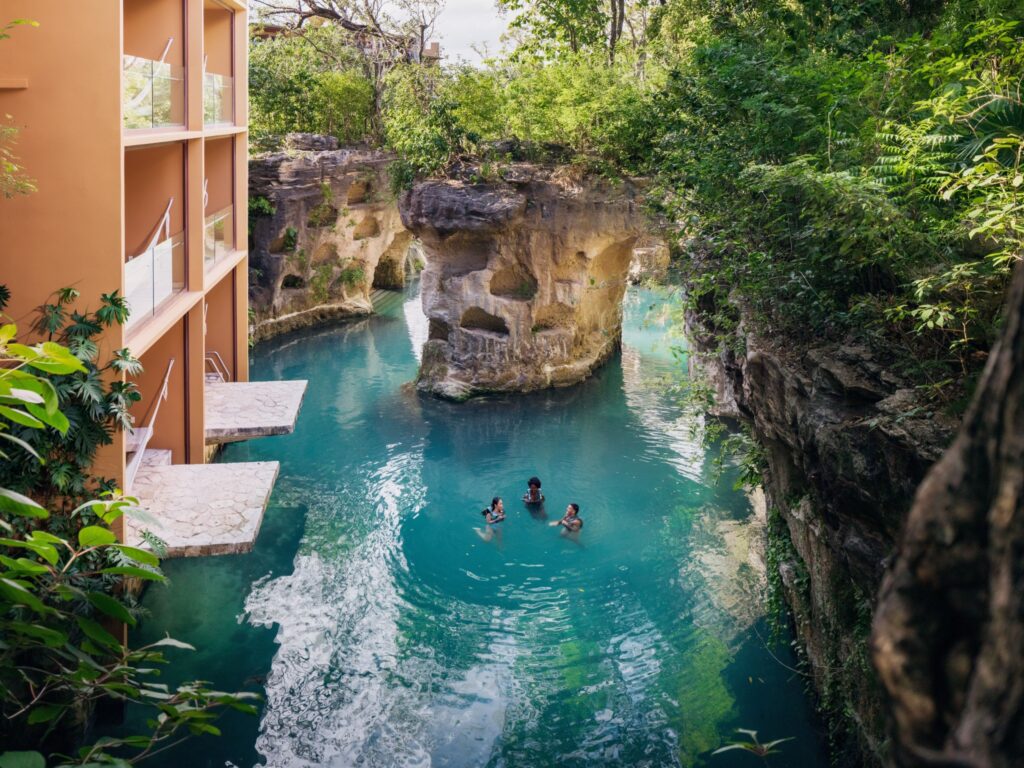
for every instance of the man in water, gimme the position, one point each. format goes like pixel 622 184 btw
pixel 572 522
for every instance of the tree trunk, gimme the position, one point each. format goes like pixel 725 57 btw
pixel 614 28
pixel 949 629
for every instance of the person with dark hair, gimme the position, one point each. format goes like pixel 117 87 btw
pixel 571 521
pixel 533 494
pixel 492 515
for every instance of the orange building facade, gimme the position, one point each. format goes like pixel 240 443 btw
pixel 132 122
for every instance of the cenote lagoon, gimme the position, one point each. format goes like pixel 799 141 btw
pixel 382 630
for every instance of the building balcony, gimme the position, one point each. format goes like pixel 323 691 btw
pixel 153 95
pixel 218 236
pixel 218 99
pixel 153 277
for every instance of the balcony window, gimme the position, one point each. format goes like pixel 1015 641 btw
pixel 218 64
pixel 218 99
pixel 153 276
pixel 219 235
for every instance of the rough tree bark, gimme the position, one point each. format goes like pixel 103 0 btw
pixel 949 629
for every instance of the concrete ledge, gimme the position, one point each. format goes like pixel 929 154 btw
pixel 244 410
pixel 203 509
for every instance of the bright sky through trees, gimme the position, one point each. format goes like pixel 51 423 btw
pixel 468 24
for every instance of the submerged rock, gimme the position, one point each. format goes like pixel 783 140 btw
pixel 524 277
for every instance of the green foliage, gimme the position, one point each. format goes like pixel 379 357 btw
pixel 352 276
pixel 261 206
pixel 320 282
pixel 578 101
pixel 421 123
pixel 781 553
pixel 341 104
pixel 753 745
pixel 13 180
pixel 93 399
pixel 291 239
pixel 551 25
pixel 62 593
pixel 312 82
pixel 741 449
pixel 828 181
pixel 581 102
pixel 324 213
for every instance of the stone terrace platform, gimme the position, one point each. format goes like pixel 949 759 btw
pixel 202 509
pixel 243 410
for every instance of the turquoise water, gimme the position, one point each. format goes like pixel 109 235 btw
pixel 385 628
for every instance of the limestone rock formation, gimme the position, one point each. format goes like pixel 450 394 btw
pixel 325 230
pixel 846 444
pixel 524 277
pixel 949 630
pixel 651 258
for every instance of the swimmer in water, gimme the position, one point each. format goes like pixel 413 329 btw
pixel 533 494
pixel 492 515
pixel 572 522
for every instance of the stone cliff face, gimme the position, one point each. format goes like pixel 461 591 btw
pixel 949 630
pixel 324 232
pixel 524 277
pixel 845 445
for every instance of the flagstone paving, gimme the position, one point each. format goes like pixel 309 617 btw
pixel 202 509
pixel 240 410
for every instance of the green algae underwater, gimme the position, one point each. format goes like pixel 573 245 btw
pixel 384 630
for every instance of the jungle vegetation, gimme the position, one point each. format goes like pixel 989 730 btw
pixel 838 171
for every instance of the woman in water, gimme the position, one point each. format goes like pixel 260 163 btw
pixel 533 494
pixel 496 512
pixel 534 499
pixel 492 515
pixel 572 522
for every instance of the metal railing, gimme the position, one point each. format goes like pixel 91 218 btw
pixel 218 99
pixel 138 437
pixel 219 235
pixel 216 367
pixel 153 92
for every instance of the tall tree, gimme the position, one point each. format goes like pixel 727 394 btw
pixel 577 25
pixel 386 32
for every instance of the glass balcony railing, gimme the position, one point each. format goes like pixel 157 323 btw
pixel 218 99
pixel 154 94
pixel 220 235
pixel 154 276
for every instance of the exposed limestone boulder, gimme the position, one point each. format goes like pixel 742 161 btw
pixel 324 232
pixel 524 277
pixel 846 444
